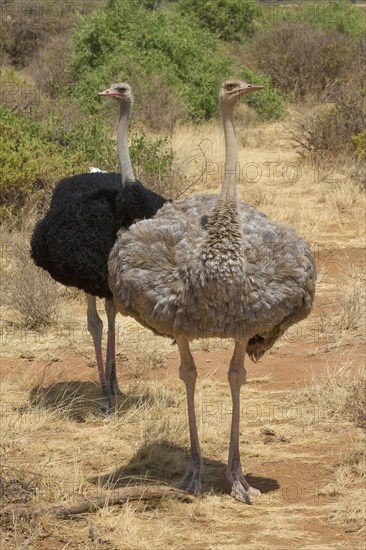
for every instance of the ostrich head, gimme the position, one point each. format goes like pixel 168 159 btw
pixel 122 92
pixel 233 89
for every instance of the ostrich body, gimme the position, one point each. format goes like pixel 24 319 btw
pixel 213 266
pixel 73 240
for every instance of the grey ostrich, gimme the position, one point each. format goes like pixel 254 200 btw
pixel 73 240
pixel 214 266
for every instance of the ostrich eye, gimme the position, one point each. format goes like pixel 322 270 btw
pixel 121 89
pixel 230 86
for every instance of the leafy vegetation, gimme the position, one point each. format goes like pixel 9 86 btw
pixel 338 15
pixel 228 19
pixel 29 161
pixel 358 145
pixel 153 157
pixel 125 41
pixel 35 156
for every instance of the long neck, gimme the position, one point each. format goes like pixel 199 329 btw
pixel 228 189
pixel 124 160
pixel 222 246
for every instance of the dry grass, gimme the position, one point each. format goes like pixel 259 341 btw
pixel 343 315
pixel 29 291
pixel 338 396
pixel 53 456
pixel 352 311
pixel 348 485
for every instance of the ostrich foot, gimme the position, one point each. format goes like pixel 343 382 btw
pixel 191 481
pixel 241 494
pixel 240 488
pixel 106 401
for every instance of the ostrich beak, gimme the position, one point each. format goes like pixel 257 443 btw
pixel 109 93
pixel 246 88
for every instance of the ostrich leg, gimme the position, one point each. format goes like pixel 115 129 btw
pixel 240 488
pixel 95 327
pixel 188 374
pixel 110 370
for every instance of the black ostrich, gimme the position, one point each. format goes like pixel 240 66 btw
pixel 73 240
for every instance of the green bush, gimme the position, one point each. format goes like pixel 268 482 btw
pixel 151 156
pixel 87 136
pixel 339 15
pixel 37 155
pixel 128 42
pixel 28 162
pixel 153 163
pixel 228 19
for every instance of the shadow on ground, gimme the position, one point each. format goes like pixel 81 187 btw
pixel 78 400
pixel 165 462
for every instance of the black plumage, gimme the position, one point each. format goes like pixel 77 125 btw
pixel 73 240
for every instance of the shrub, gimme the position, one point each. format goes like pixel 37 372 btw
pixel 303 60
pixel 28 25
pixel 338 15
pixel 29 291
pixel 154 164
pixel 36 155
pixel 159 106
pixel 358 145
pixel 331 131
pixel 228 19
pixel 126 41
pixel 24 27
pixel 17 92
pixel 86 136
pixel 27 161
pixel 48 68
pixel 154 158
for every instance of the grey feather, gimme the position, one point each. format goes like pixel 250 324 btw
pixel 236 275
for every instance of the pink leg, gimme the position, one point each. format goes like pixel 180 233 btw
pixel 98 355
